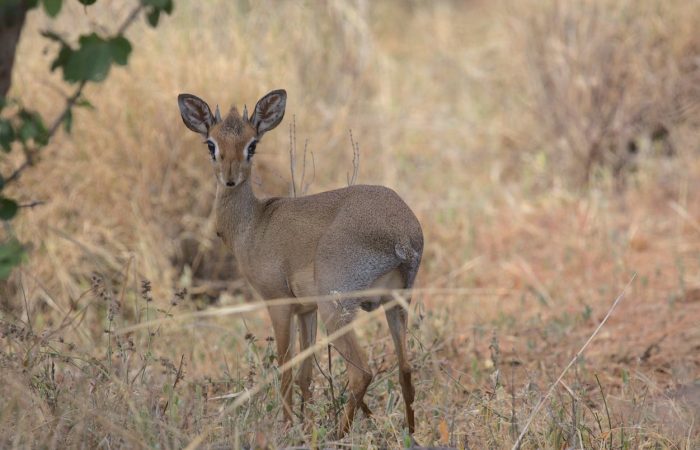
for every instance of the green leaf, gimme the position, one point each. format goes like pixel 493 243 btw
pixel 32 128
pixel 153 17
pixel 2 182
pixel 52 7
pixel 158 4
pixel 407 440
pixel 8 208
pixel 92 60
pixel 82 102
pixel 11 255
pixel 155 7
pixel 28 131
pixel 87 2
pixel 68 120
pixel 121 48
pixel 7 135
pixel 62 58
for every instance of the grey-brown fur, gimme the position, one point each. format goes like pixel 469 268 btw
pixel 345 240
pixel 317 229
pixel 233 123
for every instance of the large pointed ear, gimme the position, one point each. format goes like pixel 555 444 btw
pixel 195 113
pixel 269 111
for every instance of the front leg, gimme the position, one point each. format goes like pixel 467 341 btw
pixel 307 338
pixel 282 321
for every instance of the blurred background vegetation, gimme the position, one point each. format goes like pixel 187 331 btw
pixel 549 148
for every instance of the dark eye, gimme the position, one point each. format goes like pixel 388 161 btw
pixel 251 149
pixel 212 149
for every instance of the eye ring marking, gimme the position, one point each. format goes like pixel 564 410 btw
pixel 212 149
pixel 251 149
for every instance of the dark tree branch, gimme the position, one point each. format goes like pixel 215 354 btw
pixel 32 204
pixel 12 15
pixel 18 170
pixel 130 19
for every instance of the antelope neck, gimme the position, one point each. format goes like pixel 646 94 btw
pixel 238 207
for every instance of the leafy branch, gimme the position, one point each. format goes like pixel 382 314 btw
pixel 89 61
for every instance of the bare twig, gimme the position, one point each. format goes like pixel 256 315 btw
pixel 513 418
pixel 178 377
pixel 350 361
pixel 313 173
pixel 355 160
pixel 303 168
pixel 571 363
pixel 607 412
pixel 26 304
pixel 32 204
pixel 293 152
pixel 130 18
pixel 14 175
pixel 329 378
pixel 303 186
pixel 683 212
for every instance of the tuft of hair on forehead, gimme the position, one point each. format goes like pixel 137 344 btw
pixel 233 122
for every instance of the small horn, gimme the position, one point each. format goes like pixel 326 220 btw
pixel 217 115
pixel 245 113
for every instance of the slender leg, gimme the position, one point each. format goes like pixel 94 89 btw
pixel 359 373
pixel 340 269
pixel 282 321
pixel 397 318
pixel 307 338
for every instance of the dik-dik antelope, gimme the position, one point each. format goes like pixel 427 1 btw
pixel 346 240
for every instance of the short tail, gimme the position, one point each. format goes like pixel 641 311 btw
pixel 410 261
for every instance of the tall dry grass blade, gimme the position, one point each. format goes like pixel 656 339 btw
pixel 607 411
pixel 683 212
pixel 571 363
pixel 263 304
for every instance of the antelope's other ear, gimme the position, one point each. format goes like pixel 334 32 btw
pixel 269 111
pixel 195 113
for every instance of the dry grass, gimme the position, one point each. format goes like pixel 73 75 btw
pixel 485 117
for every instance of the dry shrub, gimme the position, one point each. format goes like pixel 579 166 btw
pixel 607 79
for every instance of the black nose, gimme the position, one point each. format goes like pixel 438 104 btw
pixel 230 183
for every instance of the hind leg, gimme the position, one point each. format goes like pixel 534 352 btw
pixel 359 373
pixel 397 318
pixel 339 270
